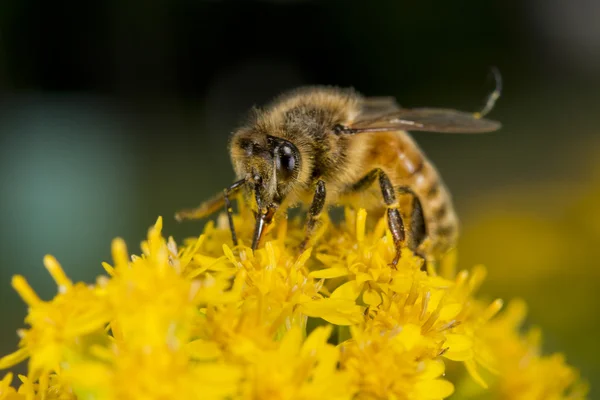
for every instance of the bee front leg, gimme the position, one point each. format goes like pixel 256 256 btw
pixel 314 213
pixel 226 194
pixel 211 206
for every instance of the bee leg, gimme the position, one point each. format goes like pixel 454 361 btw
pixel 415 225
pixel 314 213
pixel 226 194
pixel 366 181
pixel 395 223
pixel 212 205
pixel 232 190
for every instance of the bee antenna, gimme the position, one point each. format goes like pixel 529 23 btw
pixel 491 99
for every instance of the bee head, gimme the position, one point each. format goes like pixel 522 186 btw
pixel 270 166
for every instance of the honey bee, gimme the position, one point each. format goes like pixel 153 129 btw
pixel 319 146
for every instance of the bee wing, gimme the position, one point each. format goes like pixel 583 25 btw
pixel 374 106
pixel 424 119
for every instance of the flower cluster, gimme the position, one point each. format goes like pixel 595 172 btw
pixel 207 320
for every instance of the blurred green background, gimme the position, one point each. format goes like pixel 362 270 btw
pixel 115 112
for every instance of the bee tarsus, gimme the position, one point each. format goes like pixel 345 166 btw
pixel 233 189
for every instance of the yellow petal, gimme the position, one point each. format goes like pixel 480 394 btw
pixel 340 319
pixel 409 336
pixel 515 312
pixel 229 254
pixel 303 258
pixel 460 347
pixel 57 273
pixel 204 261
pixel 487 360
pixel 329 273
pixel 459 355
pixel 327 259
pixel 216 381
pixel 26 388
pixel 290 344
pixel 25 291
pixel 5 382
pixel 492 310
pixel 450 311
pixel 13 358
pixel 93 322
pixel 271 254
pixel 43 384
pixel 458 343
pixel 203 349
pixel 433 369
pixel 440 283
pixel 371 297
pixel 401 283
pixel 108 268
pixel 328 359
pixel 119 253
pixel 335 311
pixel 472 368
pixel 316 340
pixel 375 273
pixel 349 291
pixel 89 375
pixel 362 277
pixel 435 389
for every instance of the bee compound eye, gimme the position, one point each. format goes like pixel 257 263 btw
pixel 286 161
pixel 339 128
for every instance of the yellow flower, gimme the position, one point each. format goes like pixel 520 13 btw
pixel 277 294
pixel 522 371
pixel 388 366
pixel 7 392
pixel 57 326
pixel 154 307
pixel 297 370
pixel 50 387
pixel 207 320
pixel 434 314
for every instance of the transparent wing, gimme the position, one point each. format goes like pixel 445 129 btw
pixel 375 106
pixel 423 119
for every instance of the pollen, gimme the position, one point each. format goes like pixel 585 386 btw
pixel 204 319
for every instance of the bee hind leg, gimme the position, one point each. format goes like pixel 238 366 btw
pixel 314 213
pixel 395 221
pixel 416 227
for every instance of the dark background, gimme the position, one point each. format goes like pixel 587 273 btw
pixel 115 112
